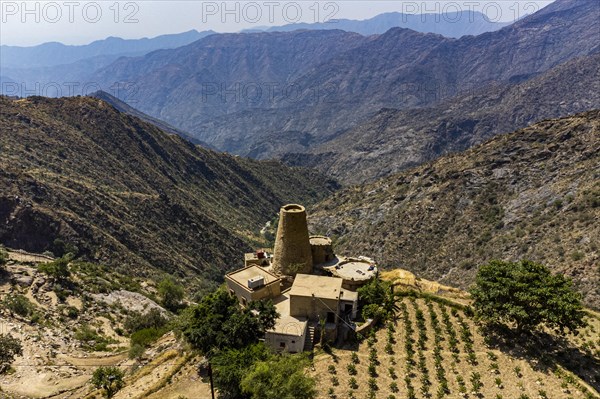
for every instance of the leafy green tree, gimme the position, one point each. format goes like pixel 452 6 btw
pixel 230 366
pixel 267 313
pixel 375 312
pixel 171 294
pixel 109 379
pixel 60 248
pixel 218 322
pixel 281 377
pixel 58 269
pixel 10 348
pixel 527 295
pixel 375 291
pixel 377 300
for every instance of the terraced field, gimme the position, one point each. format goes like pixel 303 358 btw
pixel 435 350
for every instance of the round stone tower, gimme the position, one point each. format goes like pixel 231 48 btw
pixel 292 252
pixel 322 250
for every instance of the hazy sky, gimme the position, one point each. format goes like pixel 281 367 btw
pixel 27 23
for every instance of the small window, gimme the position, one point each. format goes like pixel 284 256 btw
pixel 244 301
pixel 282 344
pixel 293 342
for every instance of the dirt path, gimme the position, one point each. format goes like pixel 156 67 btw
pixel 93 361
pixel 22 256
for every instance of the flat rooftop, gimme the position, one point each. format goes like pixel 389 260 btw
pixel 319 286
pixel 287 324
pixel 320 240
pixel 354 269
pixel 348 295
pixel 243 275
pixel 254 255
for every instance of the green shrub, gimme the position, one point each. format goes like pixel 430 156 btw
pixel 138 321
pixel 86 333
pixel 145 337
pixel 58 269
pixel 351 369
pixel 372 382
pixel 19 304
pixel 91 339
pixel 136 351
pixel 72 312
pixel 352 383
pixel 171 294
pixel 577 255
pixel 10 347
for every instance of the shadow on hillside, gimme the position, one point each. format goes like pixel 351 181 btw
pixel 4 275
pixel 544 351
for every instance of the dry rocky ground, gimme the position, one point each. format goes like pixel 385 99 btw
pixel 56 364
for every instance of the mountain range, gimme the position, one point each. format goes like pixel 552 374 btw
pixel 217 88
pixel 57 70
pixel 449 24
pixel 394 140
pixel 54 54
pixel 48 69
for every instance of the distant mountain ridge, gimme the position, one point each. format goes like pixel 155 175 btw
pixel 225 73
pixel 54 53
pixel 450 24
pixel 349 77
pixel 58 70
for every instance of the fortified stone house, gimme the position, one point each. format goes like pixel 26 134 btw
pixel 311 287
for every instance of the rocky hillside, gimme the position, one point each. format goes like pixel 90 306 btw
pixel 77 173
pixel 530 194
pixel 123 107
pixel 395 140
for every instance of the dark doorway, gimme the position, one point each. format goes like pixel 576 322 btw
pixel 330 317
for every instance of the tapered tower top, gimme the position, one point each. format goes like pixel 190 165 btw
pixel 292 253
